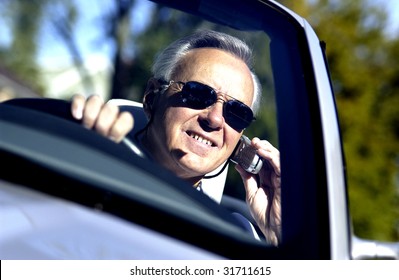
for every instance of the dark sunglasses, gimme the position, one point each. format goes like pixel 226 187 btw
pixel 198 96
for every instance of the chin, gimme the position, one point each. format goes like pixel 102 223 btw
pixel 199 167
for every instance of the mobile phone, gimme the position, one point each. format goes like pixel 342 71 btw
pixel 245 155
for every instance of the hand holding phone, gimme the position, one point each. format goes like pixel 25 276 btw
pixel 245 155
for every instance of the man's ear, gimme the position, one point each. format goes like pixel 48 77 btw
pixel 150 96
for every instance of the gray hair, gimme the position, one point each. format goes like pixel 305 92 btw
pixel 167 60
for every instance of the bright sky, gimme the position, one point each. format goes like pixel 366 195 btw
pixel 392 7
pixel 88 34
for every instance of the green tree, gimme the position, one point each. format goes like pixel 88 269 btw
pixel 364 68
pixel 23 18
pixel 25 21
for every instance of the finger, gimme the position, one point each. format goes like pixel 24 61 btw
pixel 272 158
pixel 268 152
pixel 264 144
pixel 121 127
pixel 106 119
pixel 91 110
pixel 255 196
pixel 77 107
pixel 250 183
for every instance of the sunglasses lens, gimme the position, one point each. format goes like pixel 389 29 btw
pixel 238 115
pixel 198 96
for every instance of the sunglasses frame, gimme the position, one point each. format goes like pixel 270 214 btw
pixel 234 120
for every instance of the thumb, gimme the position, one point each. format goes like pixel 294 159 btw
pixel 250 182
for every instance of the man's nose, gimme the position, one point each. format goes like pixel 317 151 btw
pixel 213 116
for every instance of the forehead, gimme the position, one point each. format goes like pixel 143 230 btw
pixel 218 69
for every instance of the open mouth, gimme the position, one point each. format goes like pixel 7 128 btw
pixel 201 139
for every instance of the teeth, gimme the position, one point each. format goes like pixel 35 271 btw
pixel 200 139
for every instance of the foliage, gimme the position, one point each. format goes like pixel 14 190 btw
pixel 364 65
pixel 26 21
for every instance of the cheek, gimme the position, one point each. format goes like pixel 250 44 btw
pixel 173 120
pixel 176 116
pixel 171 117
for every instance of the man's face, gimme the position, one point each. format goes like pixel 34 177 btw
pixel 190 142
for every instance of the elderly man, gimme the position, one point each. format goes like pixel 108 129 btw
pixel 199 101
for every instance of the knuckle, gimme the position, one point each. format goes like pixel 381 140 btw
pixel 109 108
pixel 122 126
pixel 127 120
